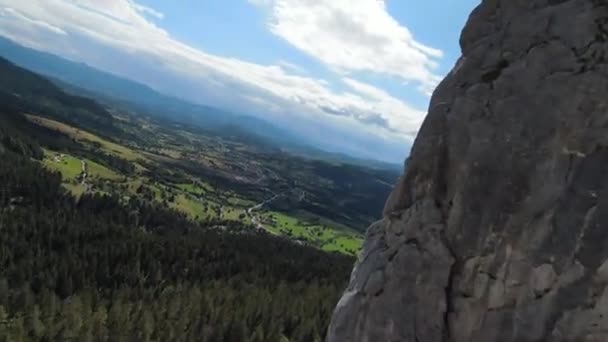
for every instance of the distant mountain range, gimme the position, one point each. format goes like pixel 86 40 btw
pixel 137 96
pixel 79 78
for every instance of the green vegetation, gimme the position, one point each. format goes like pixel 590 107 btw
pixel 239 202
pixel 87 137
pixel 75 189
pixel 343 243
pixel 69 167
pixel 195 188
pixel 194 208
pixel 99 270
pixel 326 235
pixel 194 196
pixel 96 170
pixel 235 214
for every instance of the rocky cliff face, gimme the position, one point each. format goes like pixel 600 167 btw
pixel 498 230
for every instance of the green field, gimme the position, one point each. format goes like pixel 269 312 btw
pixel 195 189
pixel 235 214
pixel 76 189
pixel 100 171
pixel 328 235
pixel 69 167
pixel 194 208
pixel 89 138
pixel 240 202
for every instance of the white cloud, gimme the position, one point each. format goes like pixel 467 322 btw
pixel 9 12
pixel 291 67
pixel 148 10
pixel 149 54
pixel 398 115
pixel 353 36
pixel 126 11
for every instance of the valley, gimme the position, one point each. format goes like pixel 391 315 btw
pixel 210 176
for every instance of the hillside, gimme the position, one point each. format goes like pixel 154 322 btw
pixel 33 92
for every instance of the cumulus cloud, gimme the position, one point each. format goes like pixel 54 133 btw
pixel 115 35
pixel 352 36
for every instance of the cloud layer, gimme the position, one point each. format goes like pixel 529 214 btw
pixel 351 36
pixel 118 36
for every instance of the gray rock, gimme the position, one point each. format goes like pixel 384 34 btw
pixel 497 231
pixel 543 278
pixel 602 272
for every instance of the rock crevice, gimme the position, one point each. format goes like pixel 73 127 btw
pixel 497 229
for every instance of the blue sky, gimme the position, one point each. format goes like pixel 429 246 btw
pixel 352 76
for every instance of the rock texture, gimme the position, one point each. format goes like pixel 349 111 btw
pixel 498 230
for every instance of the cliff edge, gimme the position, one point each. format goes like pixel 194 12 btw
pixel 498 230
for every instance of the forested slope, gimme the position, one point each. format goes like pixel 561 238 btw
pixel 101 268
